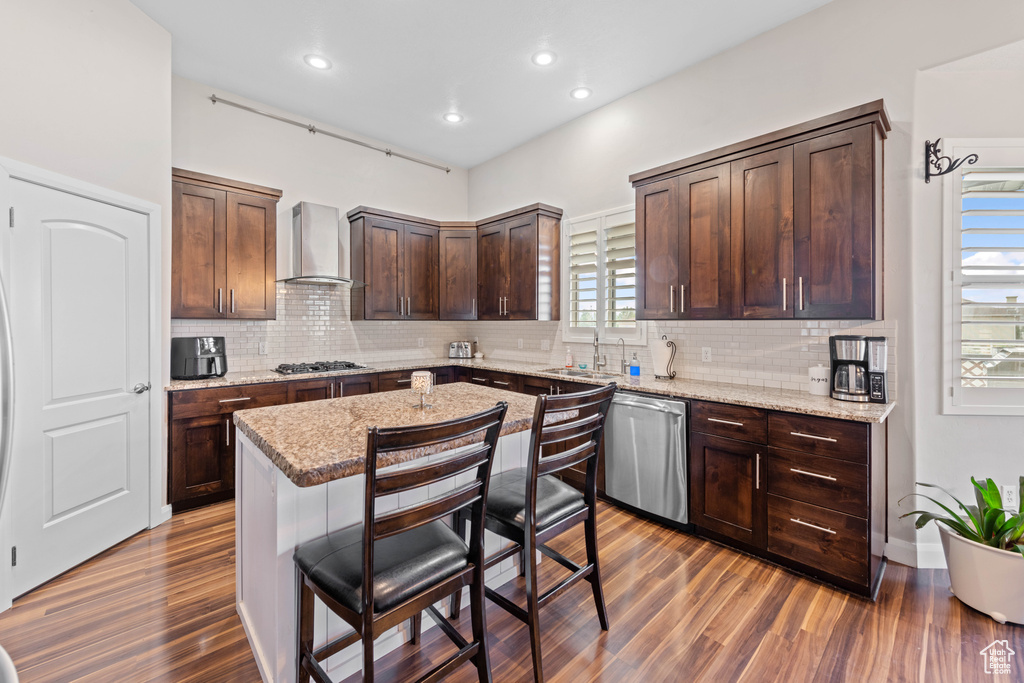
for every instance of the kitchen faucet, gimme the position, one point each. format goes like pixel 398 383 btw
pixel 624 367
pixel 597 357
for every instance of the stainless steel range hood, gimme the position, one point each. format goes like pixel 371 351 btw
pixel 320 246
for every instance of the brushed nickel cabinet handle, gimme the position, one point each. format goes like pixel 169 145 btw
pixel 474 308
pixel 800 290
pixel 813 526
pixel 504 384
pixel 783 293
pixel 478 379
pixel 812 436
pixel 671 298
pixel 401 305
pixel 232 300
pixel 682 298
pixel 757 473
pixel 220 299
pixel 227 431
pixel 408 305
pixel 235 400
pixel 725 422
pixel 332 389
pixel 403 381
pixel 812 474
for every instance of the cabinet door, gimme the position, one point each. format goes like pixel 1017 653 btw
pixel 251 257
pixel 443 375
pixel 834 225
pixel 457 264
pixel 355 385
pixel 492 272
pixel 762 235
pixel 419 260
pixel 384 294
pixel 310 390
pixel 197 252
pixel 705 273
pixel 657 250
pixel 727 487
pixel 203 457
pixel 522 260
pixel 537 386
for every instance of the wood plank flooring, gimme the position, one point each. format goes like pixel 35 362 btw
pixel 160 607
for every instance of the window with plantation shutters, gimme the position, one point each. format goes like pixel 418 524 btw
pixel 601 268
pixel 986 312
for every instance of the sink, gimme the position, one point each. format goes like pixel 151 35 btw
pixel 579 373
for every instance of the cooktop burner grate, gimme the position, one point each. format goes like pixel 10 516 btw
pixel 317 366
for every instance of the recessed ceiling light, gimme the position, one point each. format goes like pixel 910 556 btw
pixel 317 62
pixel 544 58
pixel 580 93
pixel 453 117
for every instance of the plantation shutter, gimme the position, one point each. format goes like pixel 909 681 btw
pixel 991 279
pixel 620 276
pixel 583 278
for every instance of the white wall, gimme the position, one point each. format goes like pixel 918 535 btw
pixel 87 93
pixel 952 448
pixel 843 54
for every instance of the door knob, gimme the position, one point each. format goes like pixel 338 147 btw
pixel 141 388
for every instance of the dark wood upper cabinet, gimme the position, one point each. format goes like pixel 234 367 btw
pixel 788 224
pixel 397 257
pixel 762 235
pixel 519 266
pixel 657 250
pixel 836 235
pixel 223 248
pixel 458 274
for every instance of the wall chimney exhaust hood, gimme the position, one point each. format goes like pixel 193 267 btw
pixel 320 246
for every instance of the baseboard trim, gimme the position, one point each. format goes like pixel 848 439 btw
pixel 902 552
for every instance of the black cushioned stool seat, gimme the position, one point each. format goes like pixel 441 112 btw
pixel 506 501
pixel 403 564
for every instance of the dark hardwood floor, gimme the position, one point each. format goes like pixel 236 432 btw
pixel 160 607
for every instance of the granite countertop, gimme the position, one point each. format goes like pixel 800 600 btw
pixel 719 392
pixel 319 441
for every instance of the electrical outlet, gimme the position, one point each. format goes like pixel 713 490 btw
pixel 263 348
pixel 1009 496
pixel 419 342
pixel 705 354
pixel 520 344
pixel 545 344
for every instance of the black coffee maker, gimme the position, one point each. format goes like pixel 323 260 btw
pixel 859 368
pixel 198 357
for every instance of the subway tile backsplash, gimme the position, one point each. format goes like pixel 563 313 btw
pixel 313 324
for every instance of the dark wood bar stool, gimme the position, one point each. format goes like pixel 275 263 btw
pixel 395 565
pixel 530 506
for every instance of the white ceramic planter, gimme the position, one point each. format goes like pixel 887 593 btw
pixel 988 579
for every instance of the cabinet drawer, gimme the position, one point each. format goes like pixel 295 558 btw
pixel 223 400
pixel 733 422
pixel 397 379
pixel 824 539
pixel 827 482
pixel 819 435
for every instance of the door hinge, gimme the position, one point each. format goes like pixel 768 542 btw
pixel 10 213
pixel 14 556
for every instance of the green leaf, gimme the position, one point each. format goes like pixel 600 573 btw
pixel 1020 549
pixel 990 492
pixel 1020 496
pixel 954 522
pixel 977 521
pixel 993 520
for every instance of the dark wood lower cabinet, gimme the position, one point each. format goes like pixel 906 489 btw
pixel 202 466
pixel 807 492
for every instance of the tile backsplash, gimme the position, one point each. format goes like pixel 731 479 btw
pixel 313 324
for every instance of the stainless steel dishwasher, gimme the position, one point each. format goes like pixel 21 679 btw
pixel 645 455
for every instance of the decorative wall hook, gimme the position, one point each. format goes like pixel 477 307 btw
pixel 942 164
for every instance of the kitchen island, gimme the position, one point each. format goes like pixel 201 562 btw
pixel 299 475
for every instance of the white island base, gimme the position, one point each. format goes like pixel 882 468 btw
pixel 273 517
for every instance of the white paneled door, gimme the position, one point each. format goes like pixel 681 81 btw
pixel 79 294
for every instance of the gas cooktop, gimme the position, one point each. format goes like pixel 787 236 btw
pixel 317 366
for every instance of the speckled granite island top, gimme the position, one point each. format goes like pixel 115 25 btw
pixel 319 441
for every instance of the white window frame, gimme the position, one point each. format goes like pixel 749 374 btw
pixel 956 399
pixel 636 337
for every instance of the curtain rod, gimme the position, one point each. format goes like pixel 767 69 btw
pixel 314 130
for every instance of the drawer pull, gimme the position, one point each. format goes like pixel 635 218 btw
pixel 812 474
pixel 813 526
pixel 757 473
pixel 812 436
pixel 233 400
pixel 725 422
pixel 227 432
pixel 403 381
pixel 504 384
pixel 479 379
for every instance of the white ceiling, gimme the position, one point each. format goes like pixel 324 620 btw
pixel 400 64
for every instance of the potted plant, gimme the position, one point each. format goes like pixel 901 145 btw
pixel 984 550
